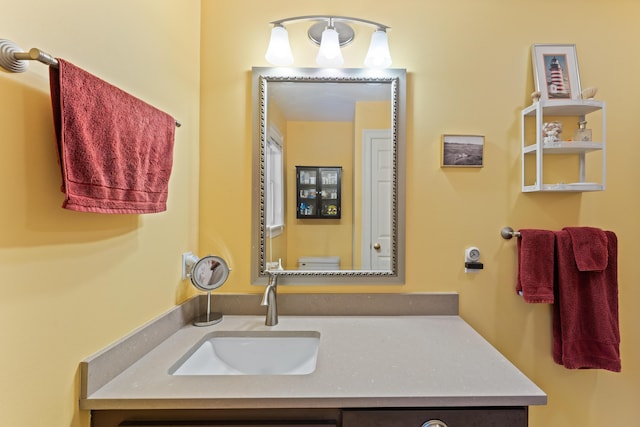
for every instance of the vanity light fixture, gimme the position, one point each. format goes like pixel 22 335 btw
pixel 330 33
pixel 279 51
pixel 329 54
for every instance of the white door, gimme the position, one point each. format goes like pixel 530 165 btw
pixel 377 186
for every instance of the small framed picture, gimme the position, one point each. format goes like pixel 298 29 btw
pixel 555 71
pixel 462 151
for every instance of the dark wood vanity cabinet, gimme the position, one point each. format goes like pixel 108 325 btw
pixel 450 417
pixel 318 192
pixel 216 417
pixel 364 417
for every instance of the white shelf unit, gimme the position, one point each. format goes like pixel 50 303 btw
pixel 570 108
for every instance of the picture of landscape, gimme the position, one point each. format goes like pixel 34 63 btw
pixel 462 150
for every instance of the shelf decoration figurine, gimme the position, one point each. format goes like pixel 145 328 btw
pixel 582 133
pixel 535 96
pixel 551 132
pixel 589 93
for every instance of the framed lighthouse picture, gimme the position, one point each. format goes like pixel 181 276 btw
pixel 555 71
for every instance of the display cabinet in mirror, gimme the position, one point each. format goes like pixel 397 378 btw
pixel 340 218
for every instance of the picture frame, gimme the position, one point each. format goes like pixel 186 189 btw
pixel 555 72
pixel 462 151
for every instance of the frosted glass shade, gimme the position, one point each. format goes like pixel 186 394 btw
pixel 329 54
pixel 279 50
pixel 378 55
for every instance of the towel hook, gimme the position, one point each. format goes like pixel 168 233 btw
pixel 508 232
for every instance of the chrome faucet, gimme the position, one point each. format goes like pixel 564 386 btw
pixel 270 300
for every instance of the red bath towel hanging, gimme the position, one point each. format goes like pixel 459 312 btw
pixel 585 318
pixel 115 151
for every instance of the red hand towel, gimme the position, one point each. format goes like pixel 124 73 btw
pixel 585 315
pixel 535 265
pixel 589 247
pixel 115 151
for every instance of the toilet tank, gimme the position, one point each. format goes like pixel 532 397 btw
pixel 319 263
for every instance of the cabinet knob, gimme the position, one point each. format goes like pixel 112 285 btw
pixel 434 423
pixel 376 246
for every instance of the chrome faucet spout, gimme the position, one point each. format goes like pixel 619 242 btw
pixel 270 300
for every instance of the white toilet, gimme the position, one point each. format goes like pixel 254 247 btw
pixel 319 263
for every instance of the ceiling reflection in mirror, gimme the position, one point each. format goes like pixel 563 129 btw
pixel 328 164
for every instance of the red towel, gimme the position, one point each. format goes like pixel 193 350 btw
pixel 535 265
pixel 585 316
pixel 115 151
pixel 589 248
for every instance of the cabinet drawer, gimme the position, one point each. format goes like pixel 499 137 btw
pixel 223 424
pixel 217 418
pixel 459 417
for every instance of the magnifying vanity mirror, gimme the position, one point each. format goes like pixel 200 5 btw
pixel 207 274
pixel 328 175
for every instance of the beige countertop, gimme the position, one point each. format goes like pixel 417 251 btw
pixel 363 361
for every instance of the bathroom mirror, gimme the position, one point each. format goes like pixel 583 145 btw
pixel 340 220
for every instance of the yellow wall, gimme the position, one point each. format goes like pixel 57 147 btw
pixel 469 72
pixel 319 144
pixel 71 283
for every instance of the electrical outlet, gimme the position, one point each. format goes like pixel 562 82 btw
pixel 188 260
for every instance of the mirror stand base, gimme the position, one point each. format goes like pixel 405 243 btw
pixel 208 319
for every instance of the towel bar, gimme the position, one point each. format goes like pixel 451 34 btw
pixel 508 232
pixel 14 60
pixel 36 54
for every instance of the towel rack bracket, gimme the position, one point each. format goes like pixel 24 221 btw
pixel 8 59
pixel 15 60
pixel 508 232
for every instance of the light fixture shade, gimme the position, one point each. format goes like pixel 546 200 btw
pixel 279 50
pixel 329 54
pixel 378 55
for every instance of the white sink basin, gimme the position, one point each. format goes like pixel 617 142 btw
pixel 251 353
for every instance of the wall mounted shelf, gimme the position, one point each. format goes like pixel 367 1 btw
pixel 536 148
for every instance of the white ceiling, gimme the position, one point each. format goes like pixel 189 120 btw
pixel 324 101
